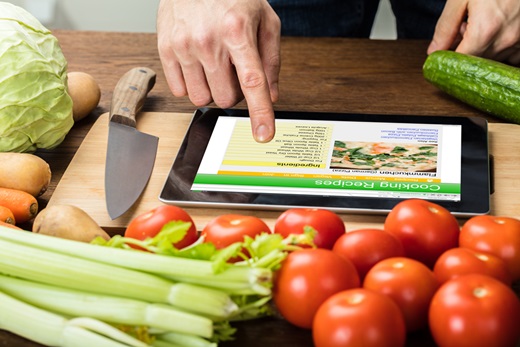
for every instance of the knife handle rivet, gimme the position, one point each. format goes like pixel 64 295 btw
pixel 134 88
pixel 126 109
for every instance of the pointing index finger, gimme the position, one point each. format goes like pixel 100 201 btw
pixel 255 88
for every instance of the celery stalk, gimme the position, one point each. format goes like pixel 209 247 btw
pixel 51 329
pixel 106 308
pixel 45 266
pixel 245 278
pixel 162 343
pixel 184 340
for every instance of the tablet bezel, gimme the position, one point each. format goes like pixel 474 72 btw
pixel 475 188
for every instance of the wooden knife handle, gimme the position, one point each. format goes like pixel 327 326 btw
pixel 130 94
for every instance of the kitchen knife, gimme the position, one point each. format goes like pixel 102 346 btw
pixel 130 153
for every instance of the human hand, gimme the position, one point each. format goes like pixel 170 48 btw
pixel 222 51
pixel 492 29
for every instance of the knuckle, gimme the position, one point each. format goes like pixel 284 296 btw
pixel 262 113
pixel 274 61
pixel 180 42
pixel 204 41
pixel 233 22
pixel 253 79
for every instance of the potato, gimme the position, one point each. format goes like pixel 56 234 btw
pixel 24 171
pixel 85 94
pixel 67 222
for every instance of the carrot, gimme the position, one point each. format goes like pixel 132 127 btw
pixel 9 225
pixel 23 205
pixel 6 215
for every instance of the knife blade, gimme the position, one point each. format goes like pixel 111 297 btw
pixel 130 153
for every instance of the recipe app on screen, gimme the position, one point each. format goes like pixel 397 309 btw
pixel 335 158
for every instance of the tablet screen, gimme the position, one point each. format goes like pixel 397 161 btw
pixel 336 161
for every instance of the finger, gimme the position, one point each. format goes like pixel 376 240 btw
pixel 258 97
pixel 447 28
pixel 222 80
pixel 171 67
pixel 487 33
pixel 196 84
pixel 269 49
pixel 224 86
pixel 505 42
pixel 255 87
pixel 460 35
pixel 477 40
pixel 174 78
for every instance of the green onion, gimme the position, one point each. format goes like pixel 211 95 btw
pixel 110 309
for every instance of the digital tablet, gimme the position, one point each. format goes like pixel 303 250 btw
pixel 362 163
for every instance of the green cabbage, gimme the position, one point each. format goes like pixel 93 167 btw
pixel 35 108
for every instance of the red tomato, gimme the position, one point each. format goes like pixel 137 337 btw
pixel 306 279
pixel 425 229
pixel 475 310
pixel 409 283
pixel 358 317
pixel 366 247
pixel 459 261
pixel 150 223
pixel 499 236
pixel 230 228
pixel 329 225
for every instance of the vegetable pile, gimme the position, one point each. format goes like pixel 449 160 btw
pixel 163 283
pixel 109 294
pixel 139 289
pixel 23 178
pixel 421 272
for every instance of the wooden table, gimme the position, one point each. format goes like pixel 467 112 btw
pixel 351 75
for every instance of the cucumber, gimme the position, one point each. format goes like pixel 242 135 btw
pixel 485 84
